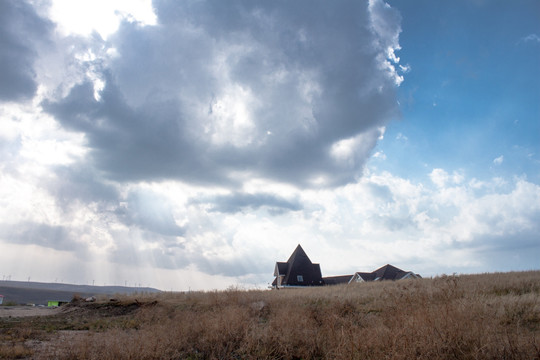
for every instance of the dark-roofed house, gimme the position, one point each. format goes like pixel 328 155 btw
pixel 300 271
pixel 387 272
pixel 297 271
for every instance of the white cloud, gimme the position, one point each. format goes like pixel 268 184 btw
pixel 499 160
pixel 405 68
pixel 379 155
pixel 439 177
pixel 351 152
pixel 380 219
pixel 103 16
pixel 400 136
pixel 389 219
pixel 531 38
pixel 385 22
pixel 232 118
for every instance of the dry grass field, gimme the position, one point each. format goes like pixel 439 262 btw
pixel 489 316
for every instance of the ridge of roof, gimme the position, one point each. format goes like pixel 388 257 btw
pixel 300 260
pixel 386 271
pixel 297 253
pixel 337 276
pixel 339 279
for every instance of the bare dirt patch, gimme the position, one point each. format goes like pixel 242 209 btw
pixel 25 311
pixel 28 332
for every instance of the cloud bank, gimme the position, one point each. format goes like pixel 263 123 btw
pixel 220 93
pixel 199 149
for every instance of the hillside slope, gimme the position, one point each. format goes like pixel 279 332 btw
pixel 487 316
pixel 21 292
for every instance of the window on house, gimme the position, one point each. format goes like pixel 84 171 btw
pixel 300 278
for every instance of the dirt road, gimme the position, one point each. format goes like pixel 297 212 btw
pixel 23 311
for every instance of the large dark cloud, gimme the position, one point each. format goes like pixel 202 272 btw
pixel 21 29
pixel 217 92
pixel 145 143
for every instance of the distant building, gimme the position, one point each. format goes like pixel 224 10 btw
pixel 387 272
pixel 300 271
pixel 1 299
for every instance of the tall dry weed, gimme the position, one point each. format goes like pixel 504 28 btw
pixel 488 316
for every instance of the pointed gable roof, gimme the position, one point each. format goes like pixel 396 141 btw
pixel 386 272
pixel 389 272
pixel 363 276
pixel 298 253
pixel 299 270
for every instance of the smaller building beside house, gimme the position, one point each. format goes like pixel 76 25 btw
pixel 386 272
pixel 299 271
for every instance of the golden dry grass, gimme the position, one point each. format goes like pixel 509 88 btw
pixel 489 316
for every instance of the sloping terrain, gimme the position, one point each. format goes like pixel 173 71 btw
pixel 44 336
pixel 19 292
pixel 488 316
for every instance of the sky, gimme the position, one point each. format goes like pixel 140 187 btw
pixel 191 145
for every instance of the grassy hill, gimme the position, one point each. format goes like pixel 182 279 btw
pixel 489 316
pixel 22 292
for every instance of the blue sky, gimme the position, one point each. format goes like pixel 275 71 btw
pixel 472 94
pixel 193 144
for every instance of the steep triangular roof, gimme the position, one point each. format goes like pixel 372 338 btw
pixel 298 253
pixel 299 264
